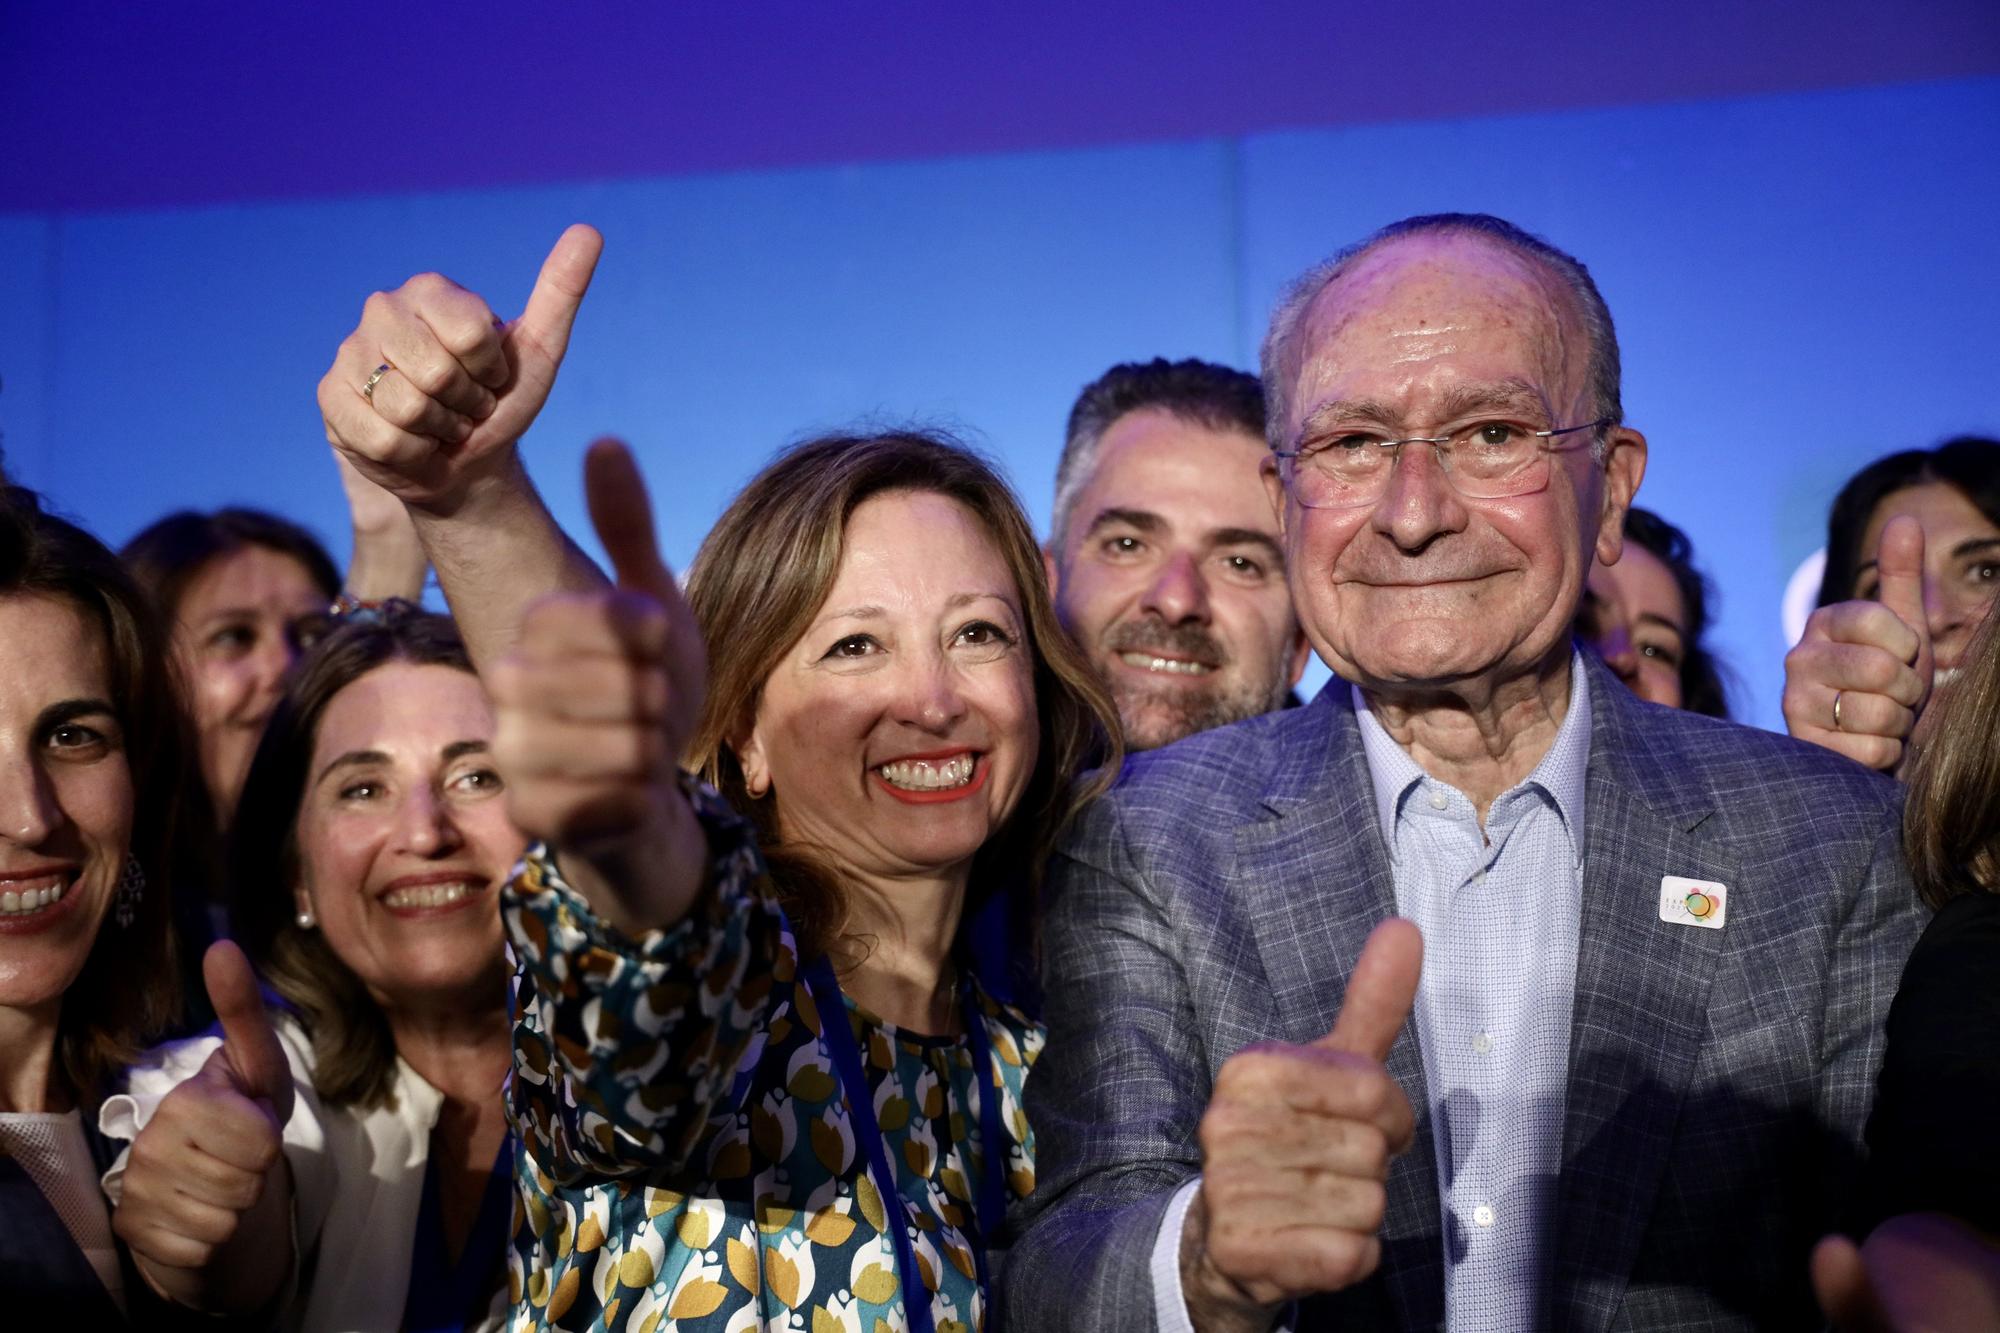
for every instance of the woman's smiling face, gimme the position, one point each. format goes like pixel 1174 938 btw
pixel 241 623
pixel 899 733
pixel 66 796
pixel 1961 564
pixel 403 837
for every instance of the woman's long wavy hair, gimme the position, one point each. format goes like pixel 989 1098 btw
pixel 354 1052
pixel 129 989
pixel 762 575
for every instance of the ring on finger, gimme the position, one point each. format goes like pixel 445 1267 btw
pixel 1836 709
pixel 368 389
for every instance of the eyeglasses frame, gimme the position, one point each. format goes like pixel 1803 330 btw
pixel 1437 444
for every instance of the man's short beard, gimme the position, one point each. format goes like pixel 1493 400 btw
pixel 1152 718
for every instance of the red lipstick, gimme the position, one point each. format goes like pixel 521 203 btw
pixel 980 767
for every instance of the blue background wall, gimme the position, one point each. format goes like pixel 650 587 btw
pixel 1802 281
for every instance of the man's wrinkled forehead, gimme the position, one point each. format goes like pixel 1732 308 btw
pixel 1416 298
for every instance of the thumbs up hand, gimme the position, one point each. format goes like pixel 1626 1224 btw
pixel 1873 658
pixel 207 1158
pixel 457 387
pixel 593 709
pixel 1296 1146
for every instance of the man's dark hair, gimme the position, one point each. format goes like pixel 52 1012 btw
pixel 1201 392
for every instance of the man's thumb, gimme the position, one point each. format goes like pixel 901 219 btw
pixel 559 289
pixel 1899 575
pixel 257 1063
pixel 1380 991
pixel 623 517
pixel 1841 1285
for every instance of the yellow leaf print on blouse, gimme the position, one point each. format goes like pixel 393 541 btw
pixel 742 1257
pixel 833 1142
pixel 688 1154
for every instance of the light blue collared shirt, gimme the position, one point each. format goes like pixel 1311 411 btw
pixel 1500 910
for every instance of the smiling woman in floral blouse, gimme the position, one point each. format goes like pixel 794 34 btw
pixel 756 1084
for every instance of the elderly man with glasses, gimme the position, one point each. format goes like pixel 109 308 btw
pixel 1626 1086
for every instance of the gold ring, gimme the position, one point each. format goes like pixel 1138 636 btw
pixel 1836 709
pixel 368 389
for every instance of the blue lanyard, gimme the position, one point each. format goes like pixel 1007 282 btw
pixel 992 1201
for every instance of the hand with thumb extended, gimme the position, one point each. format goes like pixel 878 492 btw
pixel 622 515
pixel 595 706
pixel 1381 992
pixel 1296 1146
pixel 207 1156
pixel 432 390
pixel 1861 674
pixel 251 1059
pixel 1899 570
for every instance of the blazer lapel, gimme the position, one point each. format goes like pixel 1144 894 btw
pixel 1314 879
pixel 47 1279
pixel 1641 991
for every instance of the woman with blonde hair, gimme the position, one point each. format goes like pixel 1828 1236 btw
pixel 745 1099
pixel 763 1083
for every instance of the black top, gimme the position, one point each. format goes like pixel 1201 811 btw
pixel 1930 1139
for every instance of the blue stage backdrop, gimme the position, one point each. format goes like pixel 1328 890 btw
pixel 1801 282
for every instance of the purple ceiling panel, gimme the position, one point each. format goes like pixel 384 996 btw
pixel 114 105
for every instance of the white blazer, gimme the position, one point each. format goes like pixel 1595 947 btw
pixel 357 1183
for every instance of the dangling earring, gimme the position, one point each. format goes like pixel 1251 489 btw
pixel 305 919
pixel 130 893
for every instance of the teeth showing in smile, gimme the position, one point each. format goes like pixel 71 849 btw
pixel 20 902
pixel 428 895
pixel 1172 666
pixel 928 774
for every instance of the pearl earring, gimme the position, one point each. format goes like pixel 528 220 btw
pixel 305 920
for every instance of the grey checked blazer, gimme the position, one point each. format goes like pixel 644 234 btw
pixel 1719 1079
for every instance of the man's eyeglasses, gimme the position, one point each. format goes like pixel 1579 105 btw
pixel 1483 460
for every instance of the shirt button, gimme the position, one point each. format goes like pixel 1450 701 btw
pixel 1479 877
pixel 1481 1044
pixel 1439 800
pixel 1483 1215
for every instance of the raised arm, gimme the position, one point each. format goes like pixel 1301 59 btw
pixel 645 949
pixel 594 707
pixel 429 398
pixel 388 559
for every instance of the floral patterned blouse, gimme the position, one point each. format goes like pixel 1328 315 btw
pixel 688 1160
